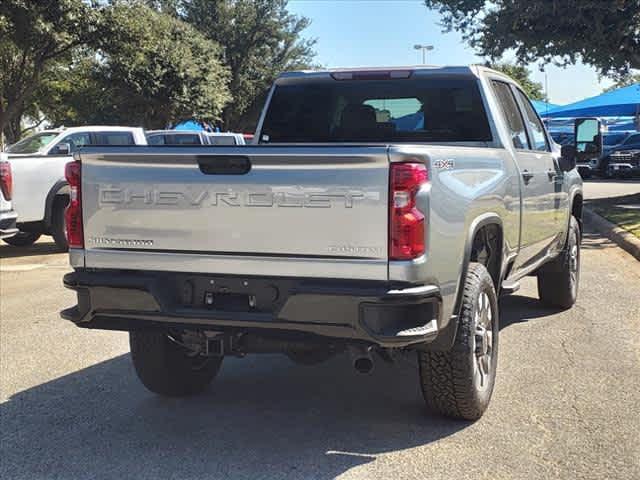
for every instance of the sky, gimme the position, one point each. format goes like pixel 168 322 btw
pixel 352 33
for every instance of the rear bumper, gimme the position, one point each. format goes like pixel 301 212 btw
pixel 376 312
pixel 8 224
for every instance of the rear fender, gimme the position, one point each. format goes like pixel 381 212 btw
pixel 479 222
pixel 61 187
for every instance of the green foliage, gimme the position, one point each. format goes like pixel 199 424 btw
pixel 624 81
pixel 602 33
pixel 33 36
pixel 520 74
pixel 158 68
pixel 259 39
pixel 143 68
pixel 143 62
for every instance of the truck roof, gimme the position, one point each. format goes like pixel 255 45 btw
pixel 457 70
pixel 89 128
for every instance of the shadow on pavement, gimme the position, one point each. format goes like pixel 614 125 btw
pixel 518 309
pixel 40 248
pixel 264 417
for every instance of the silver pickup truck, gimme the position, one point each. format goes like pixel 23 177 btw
pixel 378 213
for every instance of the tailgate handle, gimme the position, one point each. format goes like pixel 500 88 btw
pixel 224 164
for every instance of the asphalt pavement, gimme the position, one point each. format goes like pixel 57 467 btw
pixel 566 403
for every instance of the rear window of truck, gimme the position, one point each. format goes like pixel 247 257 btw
pixel 399 110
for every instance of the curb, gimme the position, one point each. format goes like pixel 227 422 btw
pixel 621 237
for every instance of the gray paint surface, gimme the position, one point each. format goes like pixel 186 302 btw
pixel 322 210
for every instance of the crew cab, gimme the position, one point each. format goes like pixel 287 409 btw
pixel 7 214
pixel 41 192
pixel 380 212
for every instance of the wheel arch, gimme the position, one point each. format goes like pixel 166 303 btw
pixel 577 206
pixel 61 187
pixel 476 227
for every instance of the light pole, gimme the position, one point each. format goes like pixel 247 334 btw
pixel 425 49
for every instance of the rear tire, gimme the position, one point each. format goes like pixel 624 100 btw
pixel 167 368
pixel 58 224
pixel 22 239
pixel 459 383
pixel 558 281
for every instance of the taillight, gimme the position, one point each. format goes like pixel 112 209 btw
pixel 406 222
pixel 6 180
pixel 73 214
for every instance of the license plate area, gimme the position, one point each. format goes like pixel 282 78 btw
pixel 229 294
pixel 229 302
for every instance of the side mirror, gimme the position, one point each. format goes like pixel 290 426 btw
pixel 61 149
pixel 567 158
pixel 588 141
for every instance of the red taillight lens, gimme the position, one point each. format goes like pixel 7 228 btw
pixel 406 222
pixel 73 214
pixel 6 180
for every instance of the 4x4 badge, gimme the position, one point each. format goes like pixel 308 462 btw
pixel 445 164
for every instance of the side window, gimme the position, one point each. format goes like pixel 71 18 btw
pixel 156 140
pixel 114 138
pixel 76 141
pixel 538 137
pixel 633 140
pixel 222 140
pixel 186 139
pixel 512 116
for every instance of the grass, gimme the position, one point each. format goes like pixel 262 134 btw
pixel 617 210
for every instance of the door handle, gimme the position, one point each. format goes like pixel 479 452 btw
pixel 552 174
pixel 527 176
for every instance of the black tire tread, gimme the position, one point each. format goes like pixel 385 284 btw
pixel 22 239
pixel 447 383
pixel 164 369
pixel 554 280
pixel 57 222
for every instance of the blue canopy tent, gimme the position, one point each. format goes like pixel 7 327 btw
pixel 189 125
pixel 543 108
pixel 623 102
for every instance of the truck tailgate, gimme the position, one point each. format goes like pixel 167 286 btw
pixel 299 211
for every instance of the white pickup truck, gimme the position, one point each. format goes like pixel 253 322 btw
pixel 7 214
pixel 41 192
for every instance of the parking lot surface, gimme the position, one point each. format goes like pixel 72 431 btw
pixel 566 404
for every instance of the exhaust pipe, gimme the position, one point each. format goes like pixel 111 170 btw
pixel 361 359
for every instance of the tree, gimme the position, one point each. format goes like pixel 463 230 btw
pixel 520 74
pixel 625 81
pixel 602 33
pixel 148 69
pixel 33 36
pixel 259 39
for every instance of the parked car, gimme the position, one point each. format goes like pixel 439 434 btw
pixel 41 192
pixel 342 230
pixel 225 138
pixel 7 214
pixel 193 137
pixel 611 139
pixel 622 159
pixel 176 137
